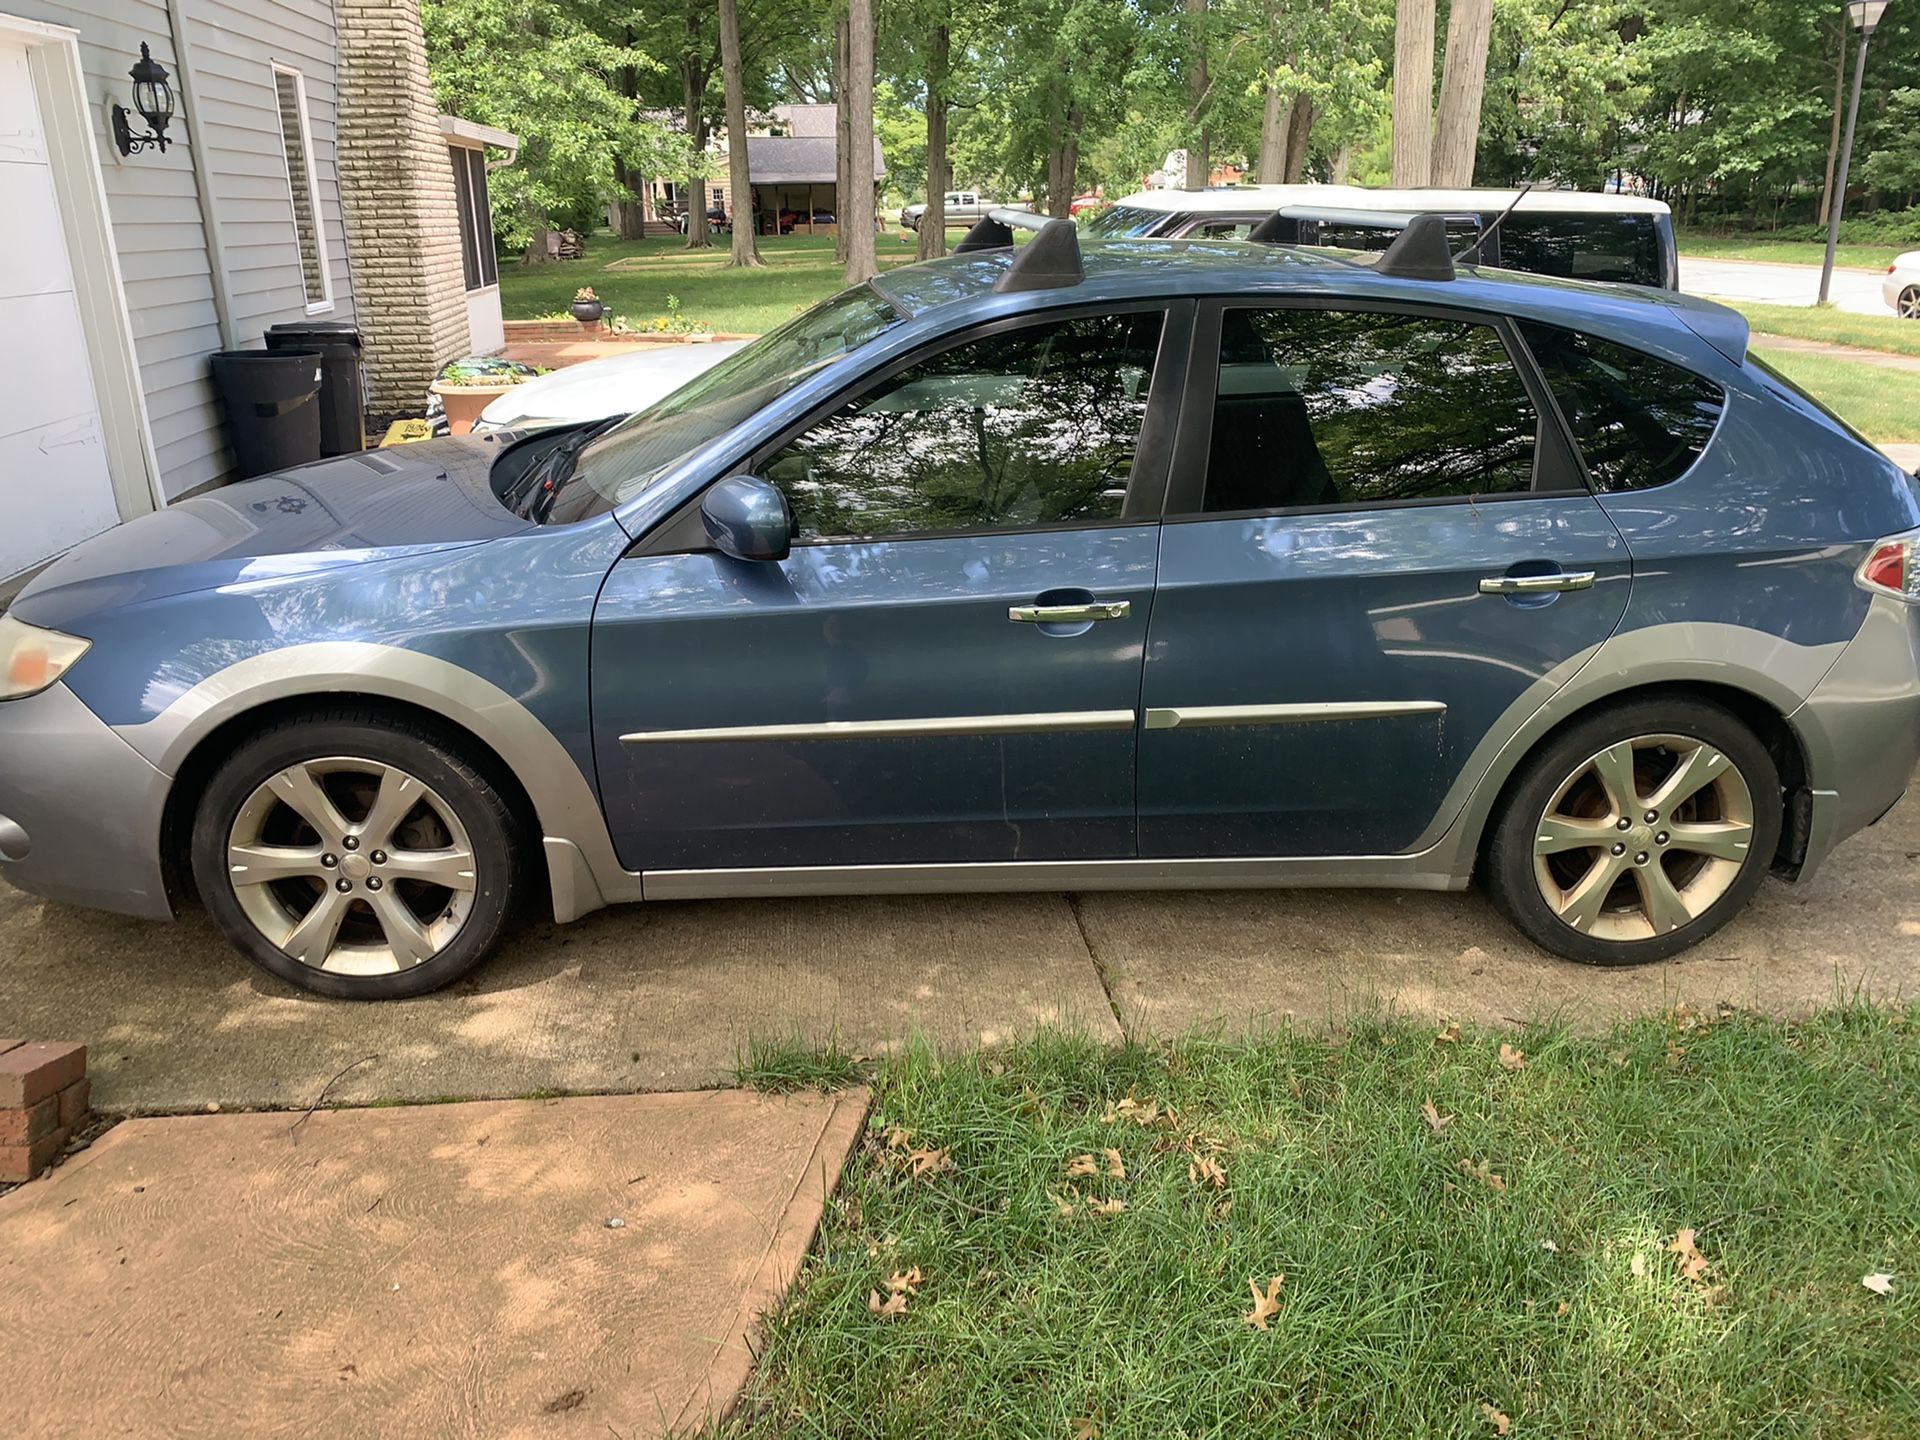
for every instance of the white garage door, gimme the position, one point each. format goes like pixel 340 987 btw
pixel 54 486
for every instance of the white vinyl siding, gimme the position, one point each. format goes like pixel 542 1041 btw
pixel 155 208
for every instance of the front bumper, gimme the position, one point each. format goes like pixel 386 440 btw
pixel 1861 728
pixel 80 809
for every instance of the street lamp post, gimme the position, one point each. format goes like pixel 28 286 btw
pixel 1864 15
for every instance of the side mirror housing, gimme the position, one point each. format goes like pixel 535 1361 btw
pixel 747 518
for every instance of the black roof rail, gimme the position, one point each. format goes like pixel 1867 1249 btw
pixel 1419 252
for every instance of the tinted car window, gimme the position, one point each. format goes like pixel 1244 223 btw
pixel 1035 426
pixel 1639 421
pixel 1584 247
pixel 1123 222
pixel 1331 407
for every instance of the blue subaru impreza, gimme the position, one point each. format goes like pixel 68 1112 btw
pixel 1171 564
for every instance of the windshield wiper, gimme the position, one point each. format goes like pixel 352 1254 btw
pixel 533 496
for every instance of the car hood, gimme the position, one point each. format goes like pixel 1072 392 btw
pixel 335 513
pixel 618 385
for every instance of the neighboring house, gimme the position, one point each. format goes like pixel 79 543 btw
pixel 791 165
pixel 306 176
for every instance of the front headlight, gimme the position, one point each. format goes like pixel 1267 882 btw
pixel 31 659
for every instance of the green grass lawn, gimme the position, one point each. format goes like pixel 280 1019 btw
pixel 1836 327
pixel 1705 246
pixel 1073 1231
pixel 1883 404
pixel 635 277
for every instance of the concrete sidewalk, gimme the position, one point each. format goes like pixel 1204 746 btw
pixel 669 997
pixel 444 1270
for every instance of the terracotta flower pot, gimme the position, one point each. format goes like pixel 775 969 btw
pixel 465 402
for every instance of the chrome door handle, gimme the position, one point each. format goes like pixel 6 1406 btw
pixel 1070 614
pixel 1537 584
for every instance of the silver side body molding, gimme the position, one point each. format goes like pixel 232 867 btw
pixel 1043 723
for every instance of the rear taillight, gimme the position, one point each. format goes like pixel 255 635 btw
pixel 1893 267
pixel 1891 567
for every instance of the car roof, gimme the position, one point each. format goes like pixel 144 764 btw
pixel 962 286
pixel 1264 199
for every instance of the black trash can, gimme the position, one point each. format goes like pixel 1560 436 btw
pixel 273 415
pixel 343 411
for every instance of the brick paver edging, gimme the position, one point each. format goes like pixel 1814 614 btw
pixel 43 1098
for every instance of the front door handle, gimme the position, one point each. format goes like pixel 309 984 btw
pixel 1071 614
pixel 1537 584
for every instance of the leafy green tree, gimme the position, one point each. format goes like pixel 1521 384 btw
pixel 560 94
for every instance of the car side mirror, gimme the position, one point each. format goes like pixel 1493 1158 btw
pixel 747 518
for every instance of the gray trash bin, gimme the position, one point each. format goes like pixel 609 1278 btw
pixel 343 410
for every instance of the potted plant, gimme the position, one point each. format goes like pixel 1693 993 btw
pixel 587 309
pixel 466 387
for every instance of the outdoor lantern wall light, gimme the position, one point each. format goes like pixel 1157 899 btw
pixel 153 98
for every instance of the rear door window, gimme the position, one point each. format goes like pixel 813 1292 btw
pixel 1638 421
pixel 1583 247
pixel 1349 408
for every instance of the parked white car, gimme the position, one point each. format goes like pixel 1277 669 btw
pixel 1902 285
pixel 618 385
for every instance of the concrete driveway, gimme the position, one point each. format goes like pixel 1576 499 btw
pixel 668 997
pixel 1857 291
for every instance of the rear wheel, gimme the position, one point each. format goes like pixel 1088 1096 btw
pixel 1637 833
pixel 356 856
pixel 1909 306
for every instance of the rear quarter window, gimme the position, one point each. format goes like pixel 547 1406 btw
pixel 1638 421
pixel 1584 247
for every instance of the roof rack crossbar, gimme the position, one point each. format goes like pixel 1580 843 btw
pixel 995 231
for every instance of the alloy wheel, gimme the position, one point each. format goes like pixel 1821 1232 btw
pixel 1643 837
pixel 1910 303
pixel 351 866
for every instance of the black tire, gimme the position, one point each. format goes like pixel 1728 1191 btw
pixel 420 752
pixel 1909 305
pixel 1511 877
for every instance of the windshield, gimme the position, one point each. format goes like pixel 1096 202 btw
pixel 1125 222
pixel 618 463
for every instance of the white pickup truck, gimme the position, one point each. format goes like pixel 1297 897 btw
pixel 964 207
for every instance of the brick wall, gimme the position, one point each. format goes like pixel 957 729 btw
pixel 403 224
pixel 43 1096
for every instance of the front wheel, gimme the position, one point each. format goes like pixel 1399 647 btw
pixel 355 855
pixel 1637 832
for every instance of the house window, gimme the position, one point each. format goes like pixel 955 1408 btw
pixel 296 140
pixel 481 264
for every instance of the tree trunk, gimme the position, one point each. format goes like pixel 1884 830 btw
pixel 537 246
pixel 933 221
pixel 629 211
pixel 1197 84
pixel 842 145
pixel 1457 133
pixel 1063 160
pixel 693 94
pixel 1839 104
pixel 739 187
pixel 856 209
pixel 1413 93
pixel 1271 167
pixel 1299 131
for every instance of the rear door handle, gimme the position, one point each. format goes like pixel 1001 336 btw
pixel 1537 584
pixel 1071 614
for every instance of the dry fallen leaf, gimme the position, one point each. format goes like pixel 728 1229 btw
pixel 1638 1265
pixel 1222 1210
pixel 905 1281
pixel 1548 1245
pixel 1450 1035
pixel 1112 1205
pixel 1436 1122
pixel 1618 1057
pixel 1880 1282
pixel 1116 1167
pixel 1086 1428
pixel 1264 1306
pixel 1693 1265
pixel 1483 1173
pixel 1562 1308
pixel 929 1162
pixel 1512 1059
pixel 1080 1165
pixel 899 1138
pixel 891 1308
pixel 1205 1170
pixel 1498 1419
pixel 1062 1204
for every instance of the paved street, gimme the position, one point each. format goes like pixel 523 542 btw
pixel 669 996
pixel 1854 290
